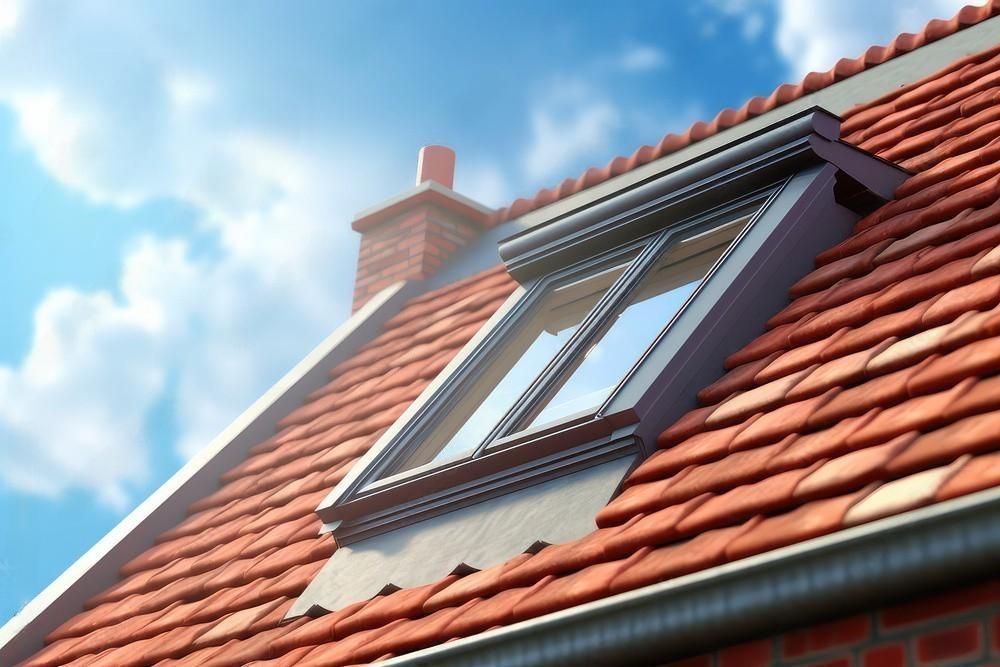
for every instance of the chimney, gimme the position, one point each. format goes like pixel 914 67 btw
pixel 411 235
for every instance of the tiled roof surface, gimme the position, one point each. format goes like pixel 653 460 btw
pixel 783 94
pixel 873 392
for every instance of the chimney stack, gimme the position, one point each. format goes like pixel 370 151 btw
pixel 411 235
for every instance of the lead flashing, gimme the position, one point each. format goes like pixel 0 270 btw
pixel 754 161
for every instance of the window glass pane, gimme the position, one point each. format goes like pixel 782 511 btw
pixel 521 358
pixel 656 300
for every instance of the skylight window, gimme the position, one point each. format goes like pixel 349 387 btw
pixel 532 345
pixel 628 305
pixel 619 341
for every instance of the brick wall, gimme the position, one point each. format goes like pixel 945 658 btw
pixel 958 628
pixel 411 246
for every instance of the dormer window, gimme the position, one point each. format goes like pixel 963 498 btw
pixel 627 306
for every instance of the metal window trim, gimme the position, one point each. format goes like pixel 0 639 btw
pixel 855 569
pixel 753 161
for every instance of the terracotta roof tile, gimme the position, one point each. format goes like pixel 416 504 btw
pixel 495 611
pixel 882 391
pixel 759 398
pixel 900 495
pixel 699 553
pixel 768 495
pixel 483 583
pixel 982 472
pixel 972 435
pixel 808 521
pixel 802 451
pixel 775 424
pixel 738 379
pixel 845 371
pixel 852 470
pixel 868 334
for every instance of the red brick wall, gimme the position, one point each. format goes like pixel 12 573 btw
pixel 959 628
pixel 411 246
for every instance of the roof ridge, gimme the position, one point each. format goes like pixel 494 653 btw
pixel 844 68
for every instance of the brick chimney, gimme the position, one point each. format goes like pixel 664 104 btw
pixel 411 235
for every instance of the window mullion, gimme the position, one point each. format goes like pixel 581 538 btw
pixel 590 327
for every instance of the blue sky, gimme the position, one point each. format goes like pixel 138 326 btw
pixel 178 181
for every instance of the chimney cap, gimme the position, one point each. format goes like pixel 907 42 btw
pixel 436 163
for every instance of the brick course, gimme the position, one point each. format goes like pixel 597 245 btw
pixel 954 628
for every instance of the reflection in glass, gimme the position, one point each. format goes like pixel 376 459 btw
pixel 657 299
pixel 520 359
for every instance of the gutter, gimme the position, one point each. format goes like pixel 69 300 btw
pixel 855 569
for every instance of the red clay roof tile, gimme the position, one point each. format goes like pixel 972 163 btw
pixel 588 584
pixel 768 495
pixel 852 470
pixel 804 450
pixel 972 435
pixel 873 332
pixel 755 400
pixel 778 423
pixel 982 472
pixel 699 553
pixel 845 371
pixel 900 495
pixel 738 379
pixel 814 519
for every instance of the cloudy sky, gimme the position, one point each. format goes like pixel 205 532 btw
pixel 178 181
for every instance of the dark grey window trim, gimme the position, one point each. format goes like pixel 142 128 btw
pixel 814 186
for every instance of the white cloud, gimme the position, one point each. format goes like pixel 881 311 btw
pixel 483 182
pixel 571 122
pixel 642 58
pixel 749 13
pixel 212 330
pixel 73 414
pixel 812 35
pixel 10 14
pixel 189 91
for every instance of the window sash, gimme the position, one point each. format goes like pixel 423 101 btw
pixel 506 431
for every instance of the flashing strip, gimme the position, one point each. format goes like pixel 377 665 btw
pixel 97 569
pixel 858 568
